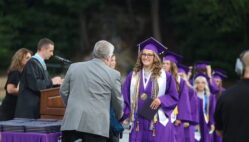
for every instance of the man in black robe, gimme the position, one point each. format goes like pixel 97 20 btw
pixel 232 109
pixel 34 79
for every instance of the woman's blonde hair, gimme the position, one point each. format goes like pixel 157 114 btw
pixel 201 78
pixel 156 65
pixel 16 63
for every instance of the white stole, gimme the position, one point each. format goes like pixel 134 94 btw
pixel 162 83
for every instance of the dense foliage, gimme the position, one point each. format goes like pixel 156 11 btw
pixel 215 30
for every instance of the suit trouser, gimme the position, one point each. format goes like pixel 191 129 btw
pixel 113 137
pixel 74 136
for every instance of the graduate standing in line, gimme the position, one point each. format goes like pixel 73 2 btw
pixel 34 79
pixel 206 108
pixel 189 132
pixel 219 75
pixel 182 113
pixel 148 82
pixel 204 67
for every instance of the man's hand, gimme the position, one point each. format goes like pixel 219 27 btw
pixel 57 80
pixel 155 104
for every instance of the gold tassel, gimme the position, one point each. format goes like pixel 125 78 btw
pixel 154 132
pixel 137 128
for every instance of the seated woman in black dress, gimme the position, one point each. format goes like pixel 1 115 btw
pixel 7 109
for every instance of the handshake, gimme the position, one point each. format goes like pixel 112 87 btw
pixel 57 80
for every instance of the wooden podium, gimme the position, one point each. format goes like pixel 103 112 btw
pixel 51 106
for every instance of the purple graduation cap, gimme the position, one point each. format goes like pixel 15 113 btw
pixel 219 74
pixel 201 64
pixel 152 44
pixel 183 69
pixel 201 74
pixel 173 57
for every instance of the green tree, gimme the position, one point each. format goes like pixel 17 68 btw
pixel 24 22
pixel 212 30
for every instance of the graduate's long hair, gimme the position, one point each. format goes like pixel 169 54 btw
pixel 174 72
pixel 16 63
pixel 201 78
pixel 156 65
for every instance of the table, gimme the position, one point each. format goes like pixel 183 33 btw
pixel 30 137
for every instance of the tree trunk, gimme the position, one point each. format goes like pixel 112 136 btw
pixel 84 44
pixel 155 19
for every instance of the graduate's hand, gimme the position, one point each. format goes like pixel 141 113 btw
pixel 125 122
pixel 209 71
pixel 212 127
pixel 178 122
pixel 185 124
pixel 219 133
pixel 155 104
pixel 189 72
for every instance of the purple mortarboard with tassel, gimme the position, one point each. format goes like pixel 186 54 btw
pixel 219 74
pixel 152 44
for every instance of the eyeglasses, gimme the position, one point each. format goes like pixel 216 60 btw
pixel 148 55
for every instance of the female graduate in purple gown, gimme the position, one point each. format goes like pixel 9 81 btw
pixel 204 67
pixel 182 114
pixel 218 76
pixel 149 81
pixel 190 130
pixel 206 107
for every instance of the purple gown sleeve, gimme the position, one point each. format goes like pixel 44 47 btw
pixel 184 112
pixel 212 108
pixel 213 87
pixel 126 95
pixel 193 106
pixel 170 99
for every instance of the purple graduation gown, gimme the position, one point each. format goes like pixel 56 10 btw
pixel 184 112
pixel 214 88
pixel 189 131
pixel 168 103
pixel 206 127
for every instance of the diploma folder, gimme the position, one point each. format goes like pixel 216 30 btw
pixel 146 112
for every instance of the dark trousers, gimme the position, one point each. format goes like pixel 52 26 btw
pixel 75 136
pixel 113 137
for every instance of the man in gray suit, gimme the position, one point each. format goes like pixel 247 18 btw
pixel 88 91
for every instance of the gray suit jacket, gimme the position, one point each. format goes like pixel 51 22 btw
pixel 88 91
